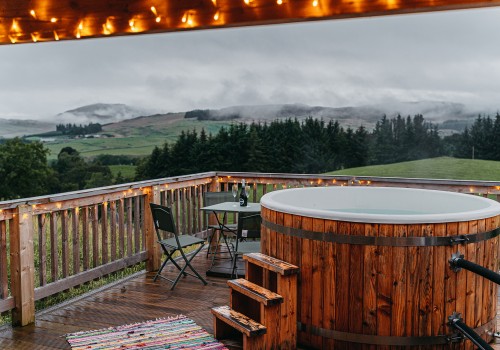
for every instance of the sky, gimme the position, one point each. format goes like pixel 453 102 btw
pixel 449 56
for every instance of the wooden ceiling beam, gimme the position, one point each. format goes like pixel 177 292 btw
pixel 24 21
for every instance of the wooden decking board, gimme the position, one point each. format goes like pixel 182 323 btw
pixel 141 300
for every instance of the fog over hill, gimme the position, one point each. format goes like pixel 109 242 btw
pixel 15 127
pixel 434 111
pixel 450 116
pixel 101 113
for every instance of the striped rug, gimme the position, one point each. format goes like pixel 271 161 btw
pixel 177 332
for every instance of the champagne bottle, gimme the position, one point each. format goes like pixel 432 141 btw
pixel 243 195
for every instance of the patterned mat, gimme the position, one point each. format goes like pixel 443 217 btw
pixel 177 332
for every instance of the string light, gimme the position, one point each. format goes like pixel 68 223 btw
pixel 158 19
pixel 131 23
pixel 79 30
pixel 153 9
pixel 105 29
pixel 184 20
pixel 33 14
pixel 216 16
pixel 15 26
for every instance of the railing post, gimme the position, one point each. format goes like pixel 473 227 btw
pixel 152 247
pixel 22 267
pixel 214 185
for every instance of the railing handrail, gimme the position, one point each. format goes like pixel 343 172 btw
pixel 480 186
pixel 101 190
pixel 402 180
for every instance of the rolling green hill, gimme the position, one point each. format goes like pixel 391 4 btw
pixel 434 168
pixel 135 137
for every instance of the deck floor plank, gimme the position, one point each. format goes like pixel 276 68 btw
pixel 135 300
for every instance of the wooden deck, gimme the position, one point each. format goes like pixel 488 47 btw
pixel 133 300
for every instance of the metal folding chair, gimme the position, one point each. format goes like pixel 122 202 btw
pixel 247 238
pixel 223 228
pixel 164 221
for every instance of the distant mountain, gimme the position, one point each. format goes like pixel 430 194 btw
pixel 101 113
pixel 433 111
pixel 14 127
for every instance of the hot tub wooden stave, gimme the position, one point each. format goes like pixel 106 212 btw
pixel 382 294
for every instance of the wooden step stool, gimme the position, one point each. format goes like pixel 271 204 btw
pixel 263 306
pixel 279 277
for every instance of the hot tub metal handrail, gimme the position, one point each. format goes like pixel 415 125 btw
pixel 457 262
pixel 455 322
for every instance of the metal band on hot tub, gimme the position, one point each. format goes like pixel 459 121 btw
pixel 389 340
pixel 382 241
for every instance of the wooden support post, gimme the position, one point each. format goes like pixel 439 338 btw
pixel 22 267
pixel 152 247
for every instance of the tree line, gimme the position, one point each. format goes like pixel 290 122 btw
pixel 25 171
pixel 77 130
pixel 310 146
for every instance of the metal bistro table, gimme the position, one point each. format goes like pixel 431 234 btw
pixel 224 268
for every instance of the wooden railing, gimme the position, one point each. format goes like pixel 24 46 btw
pixel 53 243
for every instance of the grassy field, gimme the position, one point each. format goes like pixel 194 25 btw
pixel 136 137
pixel 435 168
pixel 128 171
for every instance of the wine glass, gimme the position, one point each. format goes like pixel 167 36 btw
pixel 235 191
pixel 247 191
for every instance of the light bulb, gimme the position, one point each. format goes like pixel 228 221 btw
pixel 315 3
pixel 33 13
pixel 15 26
pixel 53 20
pixel 56 36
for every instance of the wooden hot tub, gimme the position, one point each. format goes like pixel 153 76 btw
pixel 374 262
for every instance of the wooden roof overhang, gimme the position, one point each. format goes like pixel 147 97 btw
pixel 23 21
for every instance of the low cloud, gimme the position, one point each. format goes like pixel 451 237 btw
pixel 446 56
